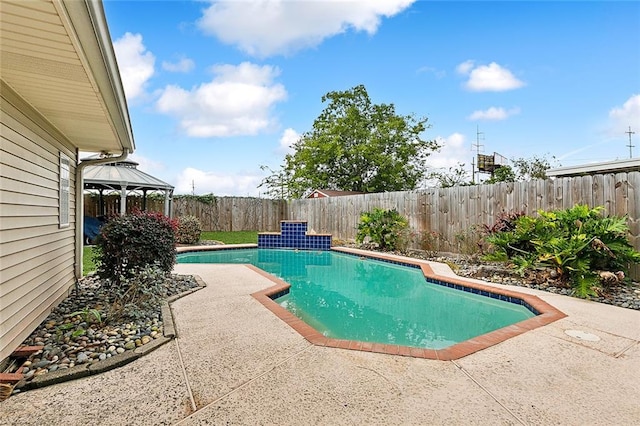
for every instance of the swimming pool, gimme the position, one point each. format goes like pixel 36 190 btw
pixel 350 298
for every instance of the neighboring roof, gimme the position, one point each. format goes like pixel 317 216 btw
pixel 58 56
pixel 334 193
pixel 618 166
pixel 115 175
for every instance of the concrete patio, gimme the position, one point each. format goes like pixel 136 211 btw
pixel 234 362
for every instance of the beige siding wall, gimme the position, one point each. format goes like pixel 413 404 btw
pixel 36 255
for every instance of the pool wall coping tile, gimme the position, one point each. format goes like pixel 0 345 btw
pixel 546 314
pixel 186 249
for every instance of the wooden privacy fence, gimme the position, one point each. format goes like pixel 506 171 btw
pixel 233 213
pixel 447 219
pixel 111 204
pixel 442 219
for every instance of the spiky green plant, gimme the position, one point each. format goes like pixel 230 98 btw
pixel 576 242
pixel 387 228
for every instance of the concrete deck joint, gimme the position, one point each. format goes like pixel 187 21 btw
pixel 185 376
pixel 250 381
pixel 485 390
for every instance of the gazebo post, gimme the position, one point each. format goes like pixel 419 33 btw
pixel 101 202
pixel 144 200
pixel 123 199
pixel 167 197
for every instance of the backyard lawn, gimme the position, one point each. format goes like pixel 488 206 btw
pixel 236 237
pixel 87 260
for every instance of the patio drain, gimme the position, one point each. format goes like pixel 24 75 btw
pixel 578 334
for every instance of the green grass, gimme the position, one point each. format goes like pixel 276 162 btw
pixel 237 237
pixel 87 260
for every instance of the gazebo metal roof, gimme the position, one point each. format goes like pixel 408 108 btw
pixel 124 173
pixel 124 176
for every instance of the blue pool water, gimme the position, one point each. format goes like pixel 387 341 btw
pixel 346 297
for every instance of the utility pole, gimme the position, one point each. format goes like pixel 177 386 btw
pixel 473 170
pixel 477 146
pixel 630 146
pixel 193 187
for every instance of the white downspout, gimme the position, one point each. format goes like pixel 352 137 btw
pixel 80 203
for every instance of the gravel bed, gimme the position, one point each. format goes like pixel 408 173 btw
pixel 624 295
pixel 71 339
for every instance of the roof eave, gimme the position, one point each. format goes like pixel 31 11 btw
pixel 96 50
pixel 617 166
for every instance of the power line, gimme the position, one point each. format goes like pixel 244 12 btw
pixel 629 132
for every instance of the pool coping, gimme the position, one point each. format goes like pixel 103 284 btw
pixel 546 312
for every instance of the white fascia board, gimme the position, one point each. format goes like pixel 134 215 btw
pixel 90 35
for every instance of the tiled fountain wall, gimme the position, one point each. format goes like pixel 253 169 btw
pixel 293 235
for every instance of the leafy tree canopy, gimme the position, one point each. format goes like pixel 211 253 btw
pixel 524 169
pixel 453 176
pixel 356 145
pixel 532 168
pixel 502 174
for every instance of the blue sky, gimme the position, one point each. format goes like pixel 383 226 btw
pixel 217 89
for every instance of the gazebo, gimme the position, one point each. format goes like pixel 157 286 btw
pixel 124 177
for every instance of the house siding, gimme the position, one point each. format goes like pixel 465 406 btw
pixel 37 256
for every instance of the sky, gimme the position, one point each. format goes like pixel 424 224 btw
pixel 217 89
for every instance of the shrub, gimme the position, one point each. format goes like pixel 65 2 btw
pixel 468 242
pixel 189 230
pixel 131 242
pixel 576 242
pixel 139 295
pixel 505 221
pixel 387 228
pixel 429 241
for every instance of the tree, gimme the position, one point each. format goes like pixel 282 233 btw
pixel 532 168
pixel 502 174
pixel 524 169
pixel 454 176
pixel 356 145
pixel 277 183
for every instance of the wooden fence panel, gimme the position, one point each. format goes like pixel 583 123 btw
pixel 232 213
pixel 450 212
pixel 633 204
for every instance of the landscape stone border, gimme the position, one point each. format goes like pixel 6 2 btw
pixel 84 370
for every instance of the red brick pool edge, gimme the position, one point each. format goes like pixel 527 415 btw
pixel 547 315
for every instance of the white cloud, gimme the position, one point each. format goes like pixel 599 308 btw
pixel 432 70
pixel 183 65
pixel 135 63
pixel 493 113
pixel 217 183
pixel 146 164
pixel 626 115
pixel 289 137
pixel 465 67
pixel 488 78
pixel 238 101
pixel 453 151
pixel 268 27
